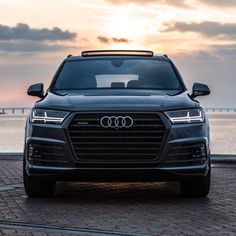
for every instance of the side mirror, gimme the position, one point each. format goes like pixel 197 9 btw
pixel 36 90
pixel 200 90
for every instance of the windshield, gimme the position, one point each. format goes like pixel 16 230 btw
pixel 117 74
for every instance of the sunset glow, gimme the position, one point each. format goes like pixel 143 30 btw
pixel 201 30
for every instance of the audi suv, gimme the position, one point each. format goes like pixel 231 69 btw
pixel 117 116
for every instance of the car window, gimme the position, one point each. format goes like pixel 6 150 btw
pixel 117 73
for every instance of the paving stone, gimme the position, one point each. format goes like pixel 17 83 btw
pixel 135 208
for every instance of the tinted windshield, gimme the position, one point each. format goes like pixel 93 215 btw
pixel 117 74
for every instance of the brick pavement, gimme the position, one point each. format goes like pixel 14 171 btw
pixel 117 209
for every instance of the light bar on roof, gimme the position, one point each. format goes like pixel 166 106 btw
pixel 117 53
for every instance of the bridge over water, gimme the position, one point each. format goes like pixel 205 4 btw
pixel 25 110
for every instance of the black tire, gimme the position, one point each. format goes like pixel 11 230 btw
pixel 37 187
pixel 199 187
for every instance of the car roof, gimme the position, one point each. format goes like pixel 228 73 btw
pixel 112 54
pixel 158 57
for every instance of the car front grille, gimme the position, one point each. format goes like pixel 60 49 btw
pixel 142 141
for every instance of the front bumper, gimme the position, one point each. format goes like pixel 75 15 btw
pixel 118 174
pixel 67 166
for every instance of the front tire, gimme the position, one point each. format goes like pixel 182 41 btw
pixel 198 187
pixel 37 187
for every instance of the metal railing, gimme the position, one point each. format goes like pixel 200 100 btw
pixel 223 110
pixel 13 110
pixel 23 110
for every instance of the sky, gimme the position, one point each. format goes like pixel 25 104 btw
pixel 198 35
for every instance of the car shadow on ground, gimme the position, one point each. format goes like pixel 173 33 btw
pixel 118 192
pixel 73 193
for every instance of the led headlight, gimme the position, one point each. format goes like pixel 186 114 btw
pixel 186 116
pixel 47 116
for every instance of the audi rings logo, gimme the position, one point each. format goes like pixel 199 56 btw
pixel 116 122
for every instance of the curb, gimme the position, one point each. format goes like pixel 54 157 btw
pixel 13 156
pixel 2 154
pixel 215 158
pixel 223 158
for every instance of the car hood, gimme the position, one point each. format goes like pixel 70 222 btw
pixel 93 102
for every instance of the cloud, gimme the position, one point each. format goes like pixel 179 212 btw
pixel 177 3
pixel 219 3
pixel 23 31
pixel 212 53
pixel 225 50
pixel 30 46
pixel 107 40
pixel 206 28
pixel 103 39
pixel 121 40
pixel 196 54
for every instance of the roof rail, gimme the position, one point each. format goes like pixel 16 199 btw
pixel 117 53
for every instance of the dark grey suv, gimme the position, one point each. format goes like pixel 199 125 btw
pixel 117 116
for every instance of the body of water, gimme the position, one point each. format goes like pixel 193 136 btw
pixel 223 133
